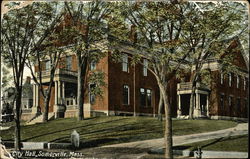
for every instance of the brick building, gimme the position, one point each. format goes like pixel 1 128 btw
pixel 226 97
pixel 133 90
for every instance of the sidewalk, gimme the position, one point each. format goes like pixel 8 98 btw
pixel 140 149
pixel 240 129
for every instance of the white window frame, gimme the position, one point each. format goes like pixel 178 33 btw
pixel 230 79
pixel 69 62
pixel 125 86
pixel 125 67
pixel 92 65
pixel 149 92
pixel 221 78
pixel 145 67
pixel 238 81
pixel 47 65
pixel 91 95
pixel 143 91
pixel 244 83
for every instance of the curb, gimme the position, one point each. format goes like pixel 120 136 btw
pixel 205 153
pixel 39 145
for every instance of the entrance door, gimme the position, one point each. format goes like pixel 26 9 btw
pixel 185 104
pixel 203 104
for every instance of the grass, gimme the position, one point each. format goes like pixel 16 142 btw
pixel 110 130
pixel 233 143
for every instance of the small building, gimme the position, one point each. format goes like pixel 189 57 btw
pixel 27 100
pixel 8 101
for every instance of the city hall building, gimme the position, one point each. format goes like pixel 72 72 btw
pixel 133 90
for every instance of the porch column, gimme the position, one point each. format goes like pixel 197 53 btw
pixel 197 105
pixel 197 109
pixel 179 105
pixel 34 95
pixel 207 106
pixel 59 92
pixel 37 96
pixel 56 92
pixel 63 92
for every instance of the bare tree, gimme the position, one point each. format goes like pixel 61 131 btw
pixel 23 31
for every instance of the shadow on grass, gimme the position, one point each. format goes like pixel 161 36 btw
pixel 217 141
pixel 127 130
pixel 221 139
pixel 33 137
pixel 208 144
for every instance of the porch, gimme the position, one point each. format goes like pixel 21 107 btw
pixel 201 99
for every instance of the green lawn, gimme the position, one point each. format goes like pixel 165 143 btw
pixel 233 143
pixel 109 130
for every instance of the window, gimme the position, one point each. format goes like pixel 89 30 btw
pixel 221 78
pixel 68 62
pixel 145 97
pixel 92 65
pixel 230 101
pixel 222 101
pixel 91 94
pixel 230 79
pixel 149 98
pixel 47 65
pixel 244 83
pixel 238 102
pixel 142 97
pixel 238 81
pixel 145 67
pixel 125 94
pixel 125 63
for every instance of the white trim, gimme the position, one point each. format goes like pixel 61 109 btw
pixel 128 94
pixel 125 63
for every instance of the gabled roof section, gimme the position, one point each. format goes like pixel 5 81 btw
pixel 234 46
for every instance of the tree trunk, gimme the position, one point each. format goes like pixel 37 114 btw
pixel 80 94
pixel 168 122
pixel 17 120
pixel 46 110
pixel 191 107
pixel 47 97
pixel 160 106
pixel 81 75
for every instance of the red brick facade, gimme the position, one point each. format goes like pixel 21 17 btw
pixel 112 102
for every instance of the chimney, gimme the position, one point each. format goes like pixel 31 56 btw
pixel 28 80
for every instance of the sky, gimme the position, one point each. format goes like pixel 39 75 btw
pixel 24 3
pixel 5 10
